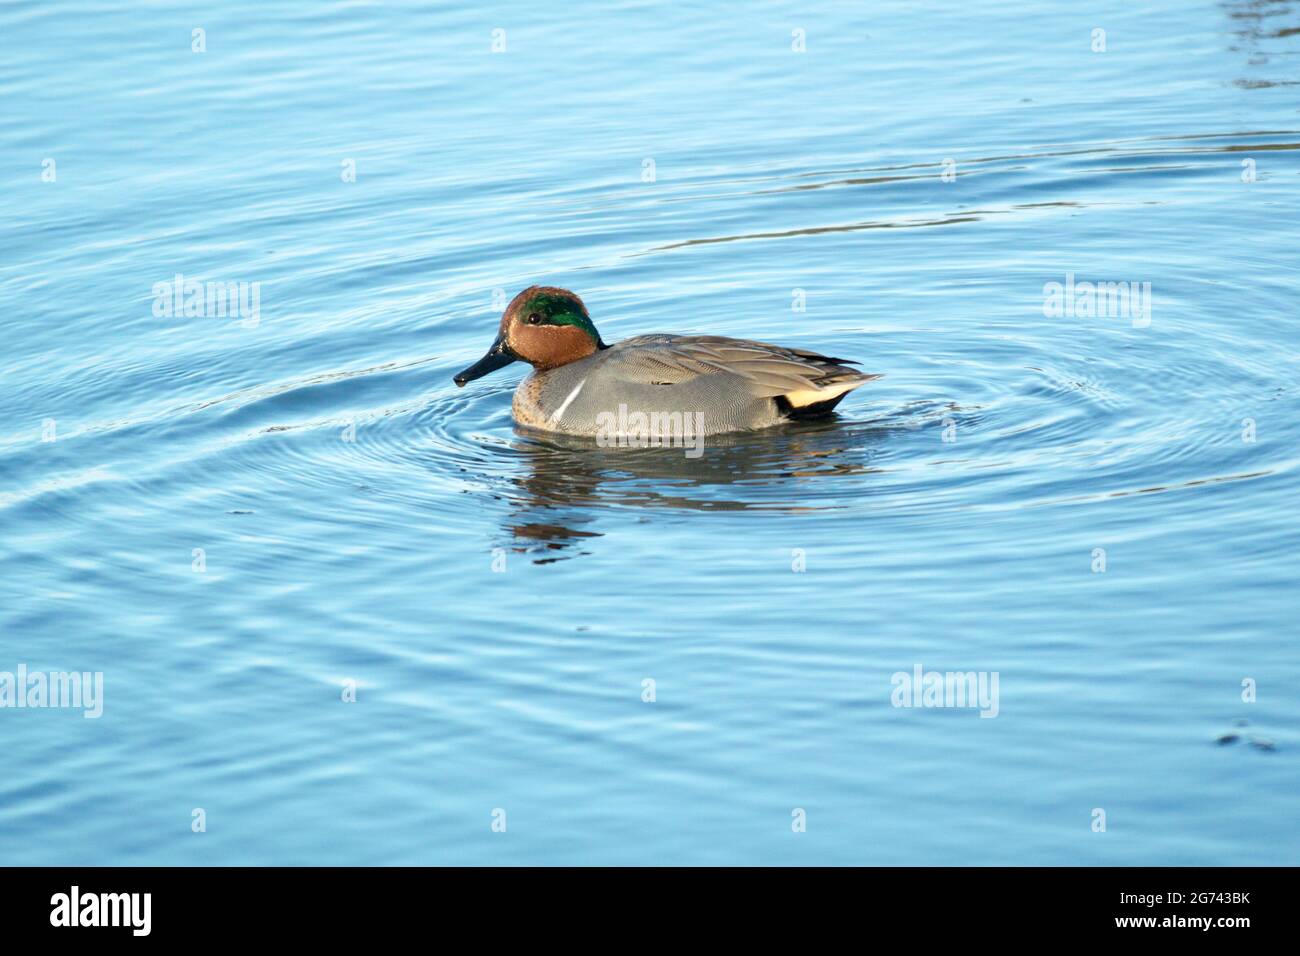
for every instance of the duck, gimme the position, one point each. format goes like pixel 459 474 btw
pixel 579 382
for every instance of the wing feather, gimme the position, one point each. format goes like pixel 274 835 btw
pixel 771 370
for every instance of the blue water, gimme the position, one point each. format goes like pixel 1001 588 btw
pixel 199 526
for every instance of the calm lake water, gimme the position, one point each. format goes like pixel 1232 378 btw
pixel 236 519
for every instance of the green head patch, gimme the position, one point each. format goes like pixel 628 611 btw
pixel 542 305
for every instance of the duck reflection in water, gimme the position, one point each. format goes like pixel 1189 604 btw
pixel 568 483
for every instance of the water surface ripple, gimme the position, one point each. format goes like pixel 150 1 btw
pixel 499 598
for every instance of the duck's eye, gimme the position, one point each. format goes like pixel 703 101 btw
pixel 534 318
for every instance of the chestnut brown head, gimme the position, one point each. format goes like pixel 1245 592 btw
pixel 544 326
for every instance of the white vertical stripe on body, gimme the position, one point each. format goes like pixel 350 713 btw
pixel 572 395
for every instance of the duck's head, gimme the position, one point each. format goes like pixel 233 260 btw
pixel 544 326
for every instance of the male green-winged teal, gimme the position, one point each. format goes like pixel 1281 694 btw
pixel 578 381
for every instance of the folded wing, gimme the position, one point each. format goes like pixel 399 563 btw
pixel 801 379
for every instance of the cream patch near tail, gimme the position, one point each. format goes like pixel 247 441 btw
pixel 804 397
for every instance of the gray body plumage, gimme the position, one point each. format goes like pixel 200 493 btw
pixel 714 384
